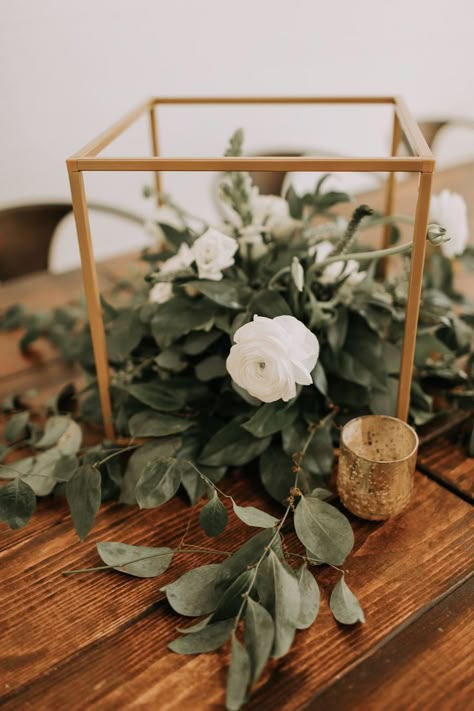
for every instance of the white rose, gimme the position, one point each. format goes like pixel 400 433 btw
pixel 161 292
pixel 271 356
pixel 348 270
pixel 213 252
pixel 183 258
pixel 449 210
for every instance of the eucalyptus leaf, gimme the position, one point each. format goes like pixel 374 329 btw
pixel 17 503
pixel 228 293
pixel 344 605
pixel 310 598
pixel 141 459
pixel 270 418
pixel 259 636
pixel 15 427
pixel 124 335
pixel 149 423
pixel 231 600
pixel 181 315
pixel 140 561
pixel 323 529
pixel 55 427
pixel 276 473
pixel 158 483
pixel 239 676
pixel 213 516
pixel 83 493
pixel 278 591
pixel 232 446
pixel 194 593
pixel 158 396
pixel 254 517
pixel 207 639
pixel 211 368
pixel 239 561
pixel 269 303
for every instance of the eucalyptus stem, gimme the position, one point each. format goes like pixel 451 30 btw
pixel 363 256
pixel 297 468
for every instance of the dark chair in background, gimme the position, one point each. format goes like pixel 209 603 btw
pixel 26 233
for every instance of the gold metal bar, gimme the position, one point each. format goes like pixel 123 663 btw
pixel 390 193
pixel 102 141
pixel 155 147
pixel 412 131
pixel 414 294
pixel 91 287
pixel 256 163
pixel 176 100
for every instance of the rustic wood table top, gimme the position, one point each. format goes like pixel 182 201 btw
pixel 99 640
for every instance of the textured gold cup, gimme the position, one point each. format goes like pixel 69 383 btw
pixel 377 464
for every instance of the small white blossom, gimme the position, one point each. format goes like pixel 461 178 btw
pixel 251 237
pixel 348 270
pixel 183 259
pixel 449 210
pixel 213 252
pixel 271 356
pixel 297 273
pixel 161 292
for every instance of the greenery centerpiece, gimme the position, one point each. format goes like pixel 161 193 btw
pixel 247 344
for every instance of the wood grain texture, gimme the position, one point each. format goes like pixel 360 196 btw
pixel 446 460
pixel 428 665
pixel 99 640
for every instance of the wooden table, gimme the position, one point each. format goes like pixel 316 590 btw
pixel 99 640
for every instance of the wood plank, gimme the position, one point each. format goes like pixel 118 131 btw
pixel 99 640
pixel 428 665
pixel 446 460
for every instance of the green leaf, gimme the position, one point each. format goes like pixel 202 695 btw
pixel 55 427
pixel 231 601
pixel 158 396
pixel 254 517
pixel 140 561
pixel 324 530
pixel 239 676
pixel 194 593
pixel 83 493
pixel 276 473
pixel 232 446
pixel 17 503
pixel 150 423
pixel 38 472
pixel 158 483
pixel 180 315
pixel 124 335
pixel 213 516
pixel 344 605
pixel 270 418
pixel 269 303
pixel 279 592
pixel 15 427
pixel 259 636
pixel 194 485
pixel 65 467
pixel 228 293
pixel 239 561
pixel 141 459
pixel 310 598
pixel 197 343
pixel 319 379
pixel 319 454
pixel 205 640
pixel 210 368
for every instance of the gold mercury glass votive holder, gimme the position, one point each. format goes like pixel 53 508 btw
pixel 377 463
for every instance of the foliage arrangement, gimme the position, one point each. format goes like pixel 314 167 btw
pixel 245 345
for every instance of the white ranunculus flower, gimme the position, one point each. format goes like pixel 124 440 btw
pixel 449 210
pixel 348 270
pixel 271 356
pixel 213 252
pixel 183 259
pixel 161 292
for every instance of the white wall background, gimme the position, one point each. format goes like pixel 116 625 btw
pixel 69 69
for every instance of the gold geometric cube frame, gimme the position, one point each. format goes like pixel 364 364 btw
pixel 421 161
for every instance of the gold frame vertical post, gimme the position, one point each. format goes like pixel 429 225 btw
pixel 155 147
pixel 390 192
pixel 91 287
pixel 414 294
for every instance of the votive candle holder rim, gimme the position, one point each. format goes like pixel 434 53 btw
pixel 382 461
